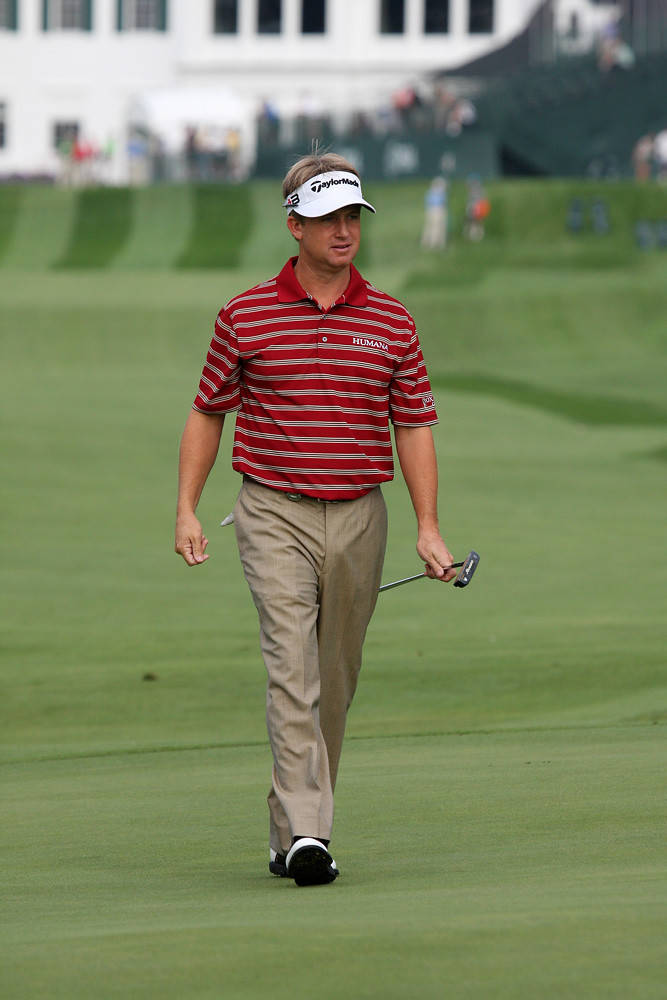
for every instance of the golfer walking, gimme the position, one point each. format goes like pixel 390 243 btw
pixel 317 363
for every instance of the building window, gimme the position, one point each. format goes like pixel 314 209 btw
pixel 141 15
pixel 225 17
pixel 436 17
pixel 480 17
pixel 269 17
pixel 67 15
pixel 65 134
pixel 313 17
pixel 392 17
pixel 8 15
pixel 3 125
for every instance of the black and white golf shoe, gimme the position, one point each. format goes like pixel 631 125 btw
pixel 309 863
pixel 277 864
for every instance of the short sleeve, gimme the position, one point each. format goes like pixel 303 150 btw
pixel 411 402
pixel 220 383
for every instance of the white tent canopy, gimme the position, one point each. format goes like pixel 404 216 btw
pixel 170 111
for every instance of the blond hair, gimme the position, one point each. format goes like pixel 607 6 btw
pixel 312 165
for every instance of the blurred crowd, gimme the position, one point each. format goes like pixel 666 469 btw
pixel 425 107
pixel 212 154
pixel 84 162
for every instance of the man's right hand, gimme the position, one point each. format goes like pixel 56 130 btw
pixel 191 542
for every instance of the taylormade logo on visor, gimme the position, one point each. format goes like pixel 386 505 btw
pixel 320 185
pixel 326 193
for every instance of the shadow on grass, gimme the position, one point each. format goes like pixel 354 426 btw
pixel 657 455
pixel 597 411
pixel 464 265
pixel 102 226
pixel 10 197
pixel 222 222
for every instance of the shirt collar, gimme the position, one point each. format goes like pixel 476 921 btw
pixel 290 290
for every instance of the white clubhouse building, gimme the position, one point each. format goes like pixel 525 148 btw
pixel 89 69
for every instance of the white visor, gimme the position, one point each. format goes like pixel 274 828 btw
pixel 326 193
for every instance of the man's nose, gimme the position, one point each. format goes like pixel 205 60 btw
pixel 342 224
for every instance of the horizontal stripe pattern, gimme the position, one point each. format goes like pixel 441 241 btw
pixel 315 391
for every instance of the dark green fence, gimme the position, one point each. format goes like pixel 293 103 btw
pixel 400 156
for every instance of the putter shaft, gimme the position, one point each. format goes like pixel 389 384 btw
pixel 417 576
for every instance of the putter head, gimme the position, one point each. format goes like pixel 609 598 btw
pixel 466 572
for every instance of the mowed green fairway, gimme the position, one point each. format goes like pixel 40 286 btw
pixel 501 821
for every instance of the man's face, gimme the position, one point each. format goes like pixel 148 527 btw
pixel 331 241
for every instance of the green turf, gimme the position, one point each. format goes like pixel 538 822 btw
pixel 161 228
pixel 218 226
pixel 499 822
pixel 223 220
pixel 531 875
pixel 42 229
pixel 101 227
pixel 10 206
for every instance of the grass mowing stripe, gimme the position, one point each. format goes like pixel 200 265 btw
pixel 222 222
pixel 162 222
pixel 102 225
pixel 10 201
pixel 43 228
pixel 591 409
pixel 120 752
pixel 269 242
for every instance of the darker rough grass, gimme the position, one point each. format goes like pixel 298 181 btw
pixel 10 201
pixel 102 226
pixel 594 410
pixel 223 221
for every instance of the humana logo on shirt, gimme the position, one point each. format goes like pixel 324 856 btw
pixel 318 186
pixel 364 342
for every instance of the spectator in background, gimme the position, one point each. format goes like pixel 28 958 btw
pixel 478 207
pixel 613 52
pixel 462 113
pixel 268 123
pixel 404 101
pixel 443 103
pixel 191 152
pixel 642 157
pixel 660 155
pixel 434 234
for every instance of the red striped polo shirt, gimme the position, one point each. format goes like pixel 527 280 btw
pixel 315 390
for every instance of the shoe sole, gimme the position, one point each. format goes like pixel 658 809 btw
pixel 312 866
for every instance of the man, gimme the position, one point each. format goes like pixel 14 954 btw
pixel 434 233
pixel 317 362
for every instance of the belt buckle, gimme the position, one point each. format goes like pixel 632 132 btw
pixel 294 496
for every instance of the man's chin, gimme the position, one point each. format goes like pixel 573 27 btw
pixel 345 256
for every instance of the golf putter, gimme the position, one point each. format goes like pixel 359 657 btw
pixel 463 578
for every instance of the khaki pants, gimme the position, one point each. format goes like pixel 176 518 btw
pixel 313 570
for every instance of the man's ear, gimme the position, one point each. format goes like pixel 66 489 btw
pixel 295 226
